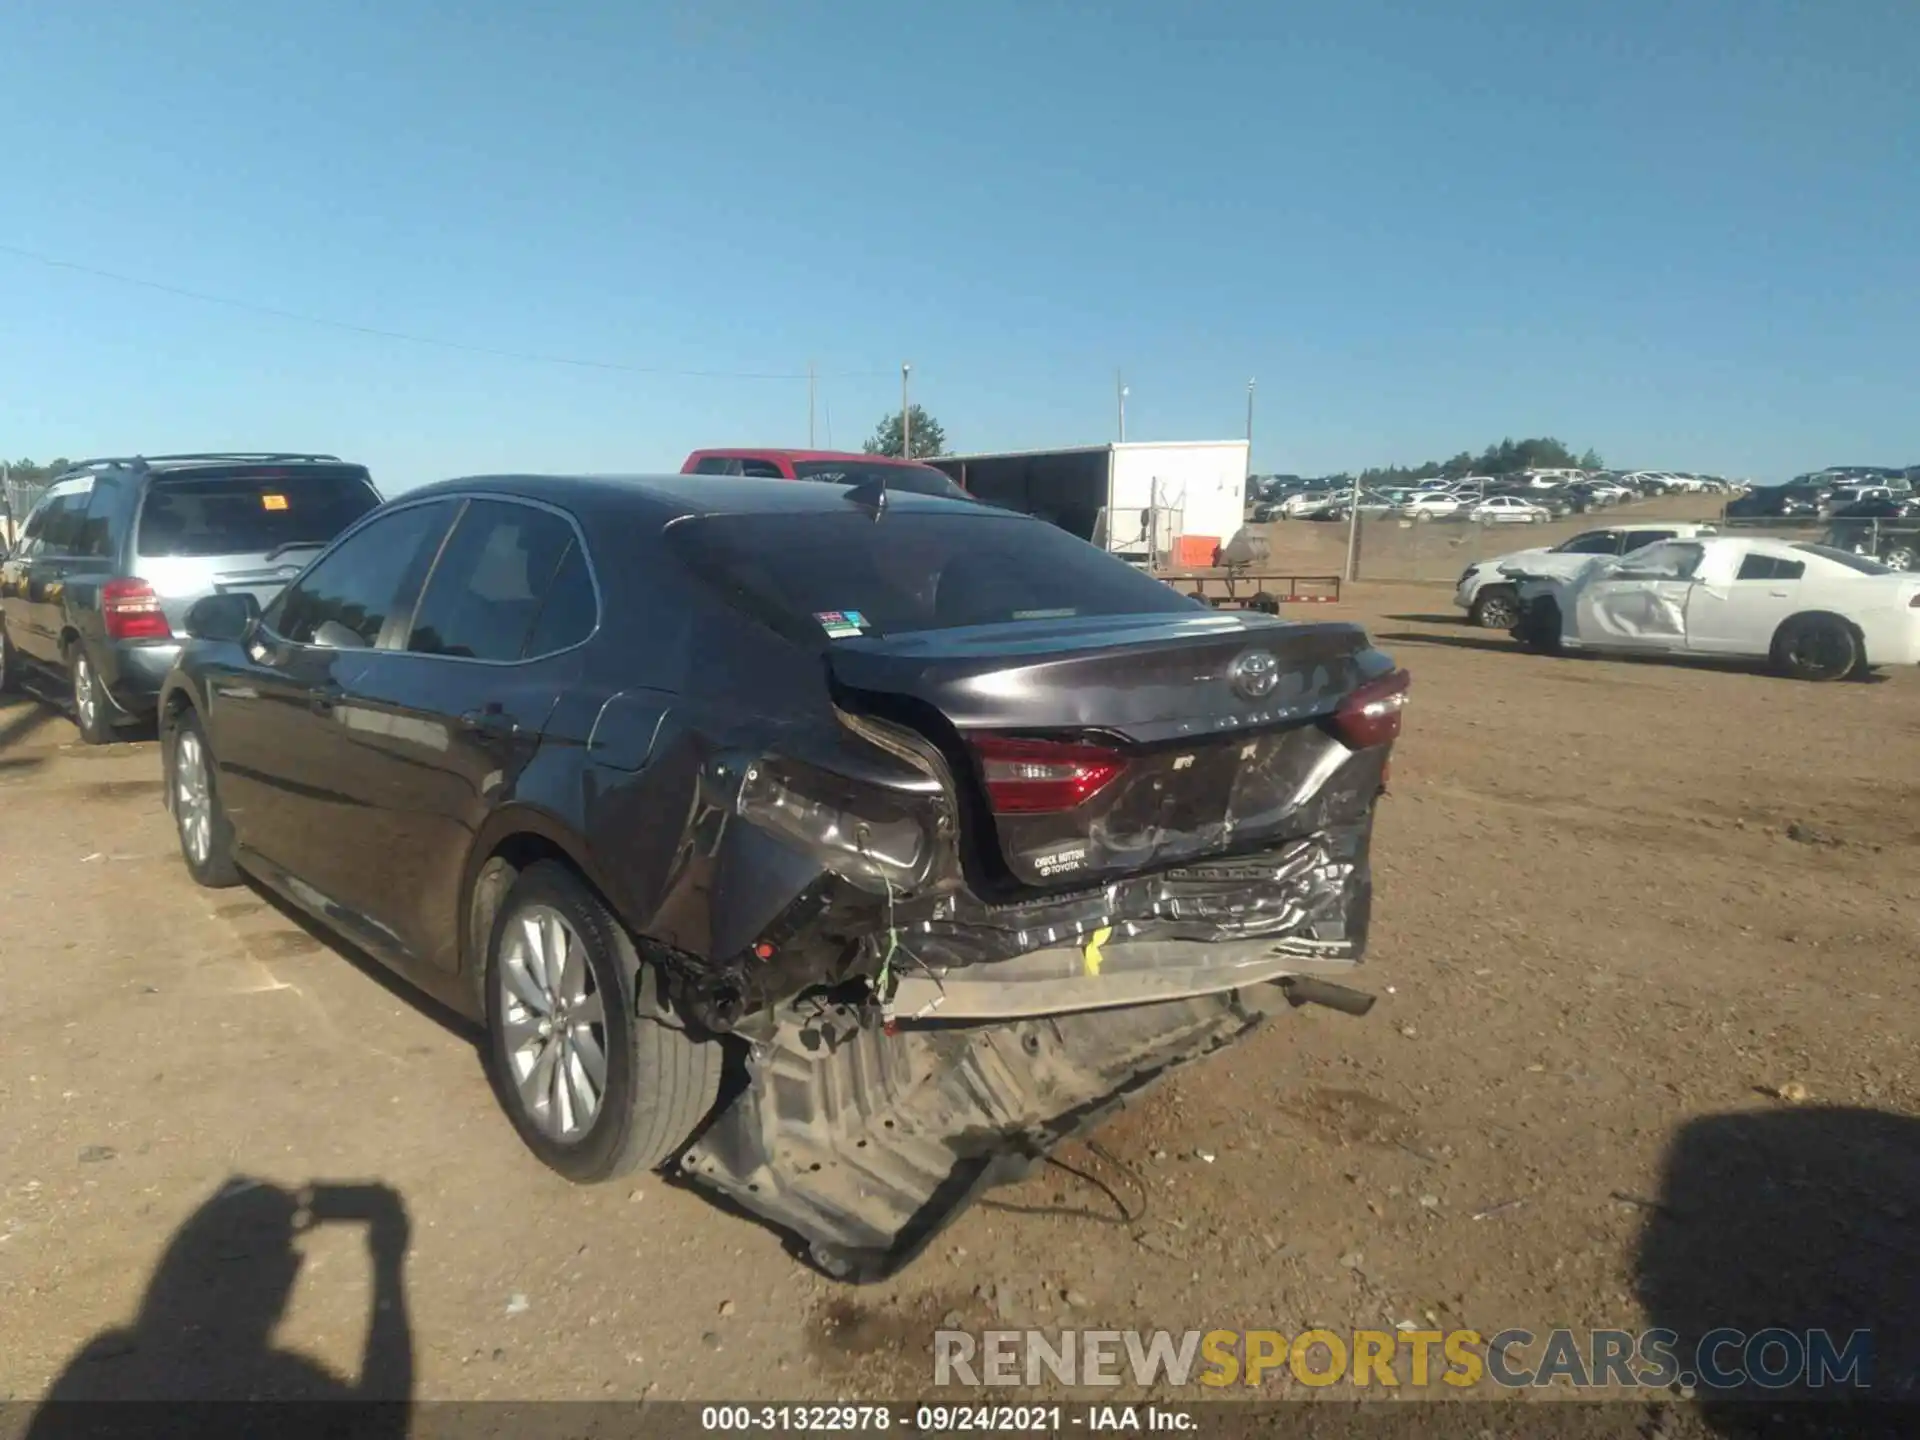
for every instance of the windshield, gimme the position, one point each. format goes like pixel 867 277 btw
pixel 1847 558
pixel 908 571
pixel 914 479
pixel 251 513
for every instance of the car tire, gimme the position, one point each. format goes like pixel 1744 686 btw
pixel 90 702
pixel 656 1082
pixel 199 819
pixel 1264 604
pixel 9 681
pixel 1538 627
pixel 1497 607
pixel 1817 648
pixel 1900 557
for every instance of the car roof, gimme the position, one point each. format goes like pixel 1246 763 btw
pixel 669 497
pixel 755 452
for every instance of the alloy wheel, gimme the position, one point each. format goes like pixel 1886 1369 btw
pixel 553 1021
pixel 192 797
pixel 85 702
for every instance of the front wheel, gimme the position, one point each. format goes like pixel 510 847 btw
pixel 206 835
pixel 597 1076
pixel 1495 608
pixel 1900 557
pixel 1538 627
pixel 1816 647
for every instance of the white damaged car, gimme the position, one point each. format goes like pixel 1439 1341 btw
pixel 1813 612
pixel 1488 596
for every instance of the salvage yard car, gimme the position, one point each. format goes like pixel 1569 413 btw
pixel 1813 612
pixel 948 830
pixel 116 551
pixel 1489 597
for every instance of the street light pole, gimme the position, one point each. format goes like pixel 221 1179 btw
pixel 1120 387
pixel 906 415
pixel 1249 424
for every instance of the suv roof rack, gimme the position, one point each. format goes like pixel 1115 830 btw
pixel 141 462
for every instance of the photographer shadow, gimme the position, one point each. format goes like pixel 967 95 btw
pixel 205 1329
pixel 1801 1219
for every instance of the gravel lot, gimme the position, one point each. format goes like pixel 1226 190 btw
pixel 1621 907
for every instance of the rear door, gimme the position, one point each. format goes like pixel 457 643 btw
pixel 435 731
pixel 231 528
pixel 1737 604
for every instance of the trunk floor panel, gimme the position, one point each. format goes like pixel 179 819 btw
pixel 867 1148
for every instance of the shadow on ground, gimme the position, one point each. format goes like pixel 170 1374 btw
pixel 205 1328
pixel 1793 1220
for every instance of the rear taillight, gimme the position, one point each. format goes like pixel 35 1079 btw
pixel 1036 777
pixel 1371 714
pixel 132 611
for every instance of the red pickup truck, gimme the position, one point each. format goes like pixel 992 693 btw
pixel 832 467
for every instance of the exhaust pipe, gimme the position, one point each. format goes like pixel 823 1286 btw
pixel 1311 990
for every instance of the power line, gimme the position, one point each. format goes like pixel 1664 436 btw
pixel 353 329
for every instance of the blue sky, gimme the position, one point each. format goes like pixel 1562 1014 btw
pixel 1687 234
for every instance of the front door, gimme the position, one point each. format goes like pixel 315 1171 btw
pixel 277 721
pixel 1640 603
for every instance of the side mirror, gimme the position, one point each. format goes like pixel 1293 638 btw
pixel 229 617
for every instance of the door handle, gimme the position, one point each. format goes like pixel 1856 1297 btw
pixel 491 721
pixel 1779 594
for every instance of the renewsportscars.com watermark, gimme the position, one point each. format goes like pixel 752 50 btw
pixel 1385 1359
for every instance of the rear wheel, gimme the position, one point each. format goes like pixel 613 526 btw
pixel 1496 608
pixel 89 698
pixel 1264 603
pixel 1901 556
pixel 1817 647
pixel 597 1077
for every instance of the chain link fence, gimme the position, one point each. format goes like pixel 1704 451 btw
pixel 18 495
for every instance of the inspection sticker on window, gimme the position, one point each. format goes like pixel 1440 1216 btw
pixel 273 502
pixel 842 624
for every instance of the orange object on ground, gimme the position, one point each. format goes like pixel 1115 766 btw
pixel 1195 551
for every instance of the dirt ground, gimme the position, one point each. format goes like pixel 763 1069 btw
pixel 1619 907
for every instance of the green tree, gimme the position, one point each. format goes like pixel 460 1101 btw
pixel 929 439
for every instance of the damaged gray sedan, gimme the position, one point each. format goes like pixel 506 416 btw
pixel 846 849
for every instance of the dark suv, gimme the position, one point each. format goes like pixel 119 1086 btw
pixel 109 560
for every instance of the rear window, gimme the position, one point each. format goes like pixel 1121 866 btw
pixel 908 572
pixel 251 513
pixel 915 479
pixel 1847 558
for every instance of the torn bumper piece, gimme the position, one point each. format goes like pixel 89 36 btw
pixel 867 1143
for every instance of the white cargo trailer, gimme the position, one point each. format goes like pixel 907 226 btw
pixel 1134 499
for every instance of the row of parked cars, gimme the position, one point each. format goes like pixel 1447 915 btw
pixel 1530 497
pixel 659 778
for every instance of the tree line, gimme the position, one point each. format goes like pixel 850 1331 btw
pixel 1507 457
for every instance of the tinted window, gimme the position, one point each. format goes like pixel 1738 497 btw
pixel 486 590
pixel 1769 567
pixel 759 470
pixel 916 479
pixel 1842 557
pixel 1636 538
pixel 717 465
pixel 250 514
pixel 66 518
pixel 1594 542
pixel 570 610
pixel 908 571
pixel 345 599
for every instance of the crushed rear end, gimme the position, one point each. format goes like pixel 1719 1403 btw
pixel 1032 867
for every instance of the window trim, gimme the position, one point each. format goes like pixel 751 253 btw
pixel 364 522
pixel 466 499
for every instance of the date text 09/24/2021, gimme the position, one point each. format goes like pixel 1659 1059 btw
pixel 947 1419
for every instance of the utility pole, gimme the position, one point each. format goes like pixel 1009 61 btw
pixel 906 415
pixel 1353 530
pixel 812 380
pixel 1120 388
pixel 1249 425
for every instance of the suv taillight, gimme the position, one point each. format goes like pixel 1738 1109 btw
pixel 1038 777
pixel 132 611
pixel 1371 715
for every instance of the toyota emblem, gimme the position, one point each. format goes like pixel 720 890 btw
pixel 1254 675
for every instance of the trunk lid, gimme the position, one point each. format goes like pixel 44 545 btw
pixel 1095 748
